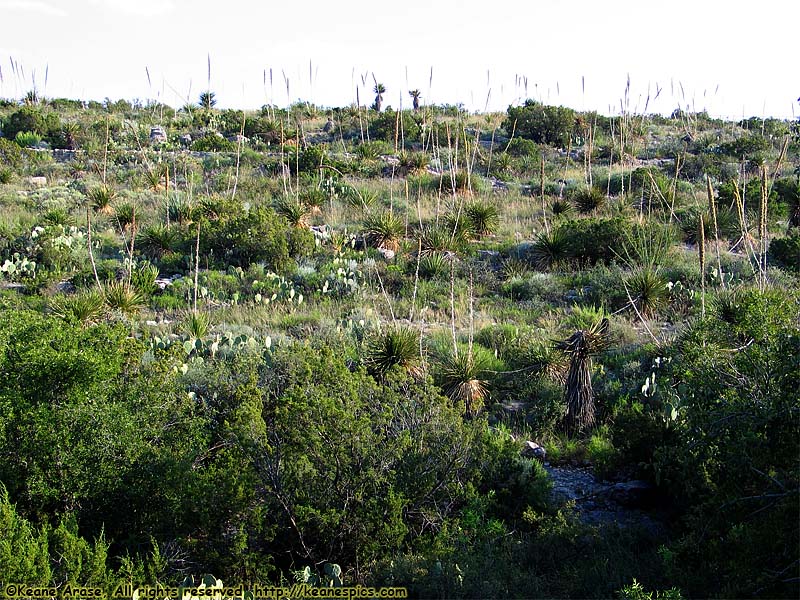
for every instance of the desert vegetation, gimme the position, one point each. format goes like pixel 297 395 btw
pixel 365 345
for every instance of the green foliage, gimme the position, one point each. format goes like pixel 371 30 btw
pixel 589 200
pixel 240 237
pixel 785 251
pixel 383 230
pixel 551 125
pixel 463 377
pixel 398 346
pixel 734 466
pixel 593 240
pixel 27 139
pixel 388 126
pixel 213 142
pixel 483 218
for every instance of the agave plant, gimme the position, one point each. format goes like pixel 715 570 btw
pixel 461 376
pixel 483 218
pixel 580 347
pixel 384 230
pixel 86 309
pixel 121 297
pixel 294 210
pixel 550 250
pixel 395 347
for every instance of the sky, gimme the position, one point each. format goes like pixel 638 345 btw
pixel 732 59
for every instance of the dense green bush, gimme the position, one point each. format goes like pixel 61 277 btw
pixel 387 126
pixel 240 237
pixel 734 465
pixel 551 125
pixel 785 251
pixel 594 240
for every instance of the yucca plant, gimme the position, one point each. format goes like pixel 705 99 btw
pixel 101 199
pixel 726 306
pixel 197 325
pixel 413 162
pixel 515 268
pixel 589 199
pixel 58 216
pixel 124 215
pixel 560 208
pixel 434 265
pixel 180 210
pixel 578 393
pixel 143 278
pixel 648 290
pixel 457 225
pixel 462 377
pixel 398 346
pixel 384 230
pixel 359 199
pixel 546 361
pixel 295 211
pixel 584 317
pixel 436 239
pixel 87 308
pixel 483 218
pixel 123 298
pixel 154 241
pixel 551 250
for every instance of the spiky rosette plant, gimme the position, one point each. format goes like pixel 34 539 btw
pixel 154 241
pixel 384 230
pixel 550 250
pixel 648 290
pixel 86 309
pixel 437 239
pixel 578 393
pixel 123 298
pixel 294 210
pixel 462 377
pixel 482 217
pixel 589 200
pixel 101 199
pixel 398 347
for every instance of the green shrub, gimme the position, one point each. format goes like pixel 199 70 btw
pixel 785 251
pixel 594 240
pixel 551 125
pixel 213 142
pixel 521 147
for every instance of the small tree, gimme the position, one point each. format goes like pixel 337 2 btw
pixel 379 90
pixel 208 100
pixel 415 96
pixel 580 347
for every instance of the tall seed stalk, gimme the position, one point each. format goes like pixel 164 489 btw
pixel 712 207
pixel 701 251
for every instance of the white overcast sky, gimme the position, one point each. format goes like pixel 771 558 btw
pixel 731 58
